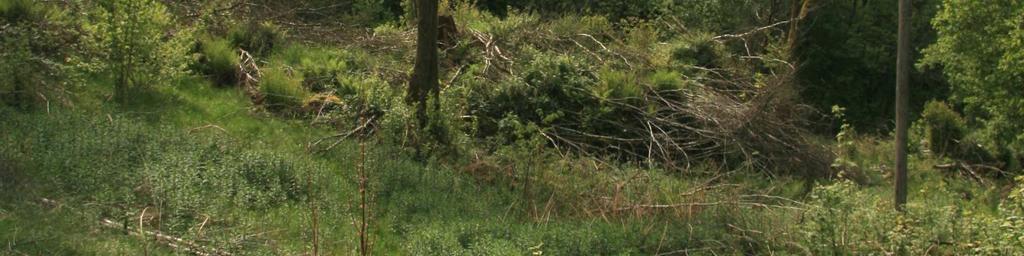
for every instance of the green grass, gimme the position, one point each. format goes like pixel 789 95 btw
pixel 196 151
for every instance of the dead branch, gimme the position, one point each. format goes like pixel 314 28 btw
pixel 169 241
pixel 750 32
pixel 341 136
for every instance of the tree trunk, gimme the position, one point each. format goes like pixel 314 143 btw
pixel 902 95
pixel 424 80
pixel 797 13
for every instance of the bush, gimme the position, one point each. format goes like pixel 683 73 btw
pixel 282 89
pixel 664 81
pixel 978 50
pixel 138 48
pixel 696 50
pixel 17 72
pixel 15 11
pixel 259 39
pixel 617 85
pixel 552 86
pixel 39 46
pixel 219 61
pixel 943 128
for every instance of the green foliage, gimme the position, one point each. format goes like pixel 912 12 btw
pixel 15 11
pixel 100 167
pixel 845 219
pixel 944 128
pixel 260 39
pixel 339 79
pixel 617 85
pixel 722 15
pixel 847 55
pixel 18 71
pixel 552 87
pixel 665 81
pixel 40 53
pixel 142 47
pixel 845 146
pixel 614 10
pixel 219 61
pixel 281 87
pixel 324 69
pixel 375 11
pixel 696 50
pixel 978 49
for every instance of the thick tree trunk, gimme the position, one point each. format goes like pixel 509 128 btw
pixel 424 80
pixel 902 95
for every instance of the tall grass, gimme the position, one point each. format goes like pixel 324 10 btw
pixel 282 89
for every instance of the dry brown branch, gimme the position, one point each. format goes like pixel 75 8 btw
pixel 750 32
pixel 341 136
pixel 169 241
pixel 970 170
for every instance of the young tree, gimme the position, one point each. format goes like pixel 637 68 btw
pixel 424 80
pixel 141 47
pixel 902 91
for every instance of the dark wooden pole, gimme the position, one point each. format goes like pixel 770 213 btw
pixel 902 96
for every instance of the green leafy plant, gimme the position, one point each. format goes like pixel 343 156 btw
pixel 281 87
pixel 260 39
pixel 944 128
pixel 142 50
pixel 219 61
pixel 15 11
pixel 978 49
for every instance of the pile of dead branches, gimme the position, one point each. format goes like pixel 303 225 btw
pixel 741 113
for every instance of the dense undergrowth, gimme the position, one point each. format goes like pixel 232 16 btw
pixel 580 134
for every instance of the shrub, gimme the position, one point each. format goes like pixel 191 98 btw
pixel 323 69
pixel 257 38
pixel 978 49
pixel 662 80
pixel 139 51
pixel 17 74
pixel 282 89
pixel 943 128
pixel 617 85
pixel 551 87
pixel 219 61
pixel 39 47
pixel 696 50
pixel 14 11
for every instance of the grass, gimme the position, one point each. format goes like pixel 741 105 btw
pixel 234 176
pixel 250 159
pixel 163 137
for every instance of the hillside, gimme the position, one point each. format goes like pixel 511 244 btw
pixel 660 128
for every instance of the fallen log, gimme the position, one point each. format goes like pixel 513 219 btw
pixel 169 241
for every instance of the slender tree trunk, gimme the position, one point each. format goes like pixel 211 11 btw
pixel 424 80
pixel 902 95
pixel 797 13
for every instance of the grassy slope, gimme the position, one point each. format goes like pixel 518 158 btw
pixel 417 208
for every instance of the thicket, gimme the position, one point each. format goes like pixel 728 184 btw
pixel 281 88
pixel 258 39
pixel 978 51
pixel 140 44
pixel 219 60
pixel 37 60
pixel 944 128
pixel 845 55
pixel 543 111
